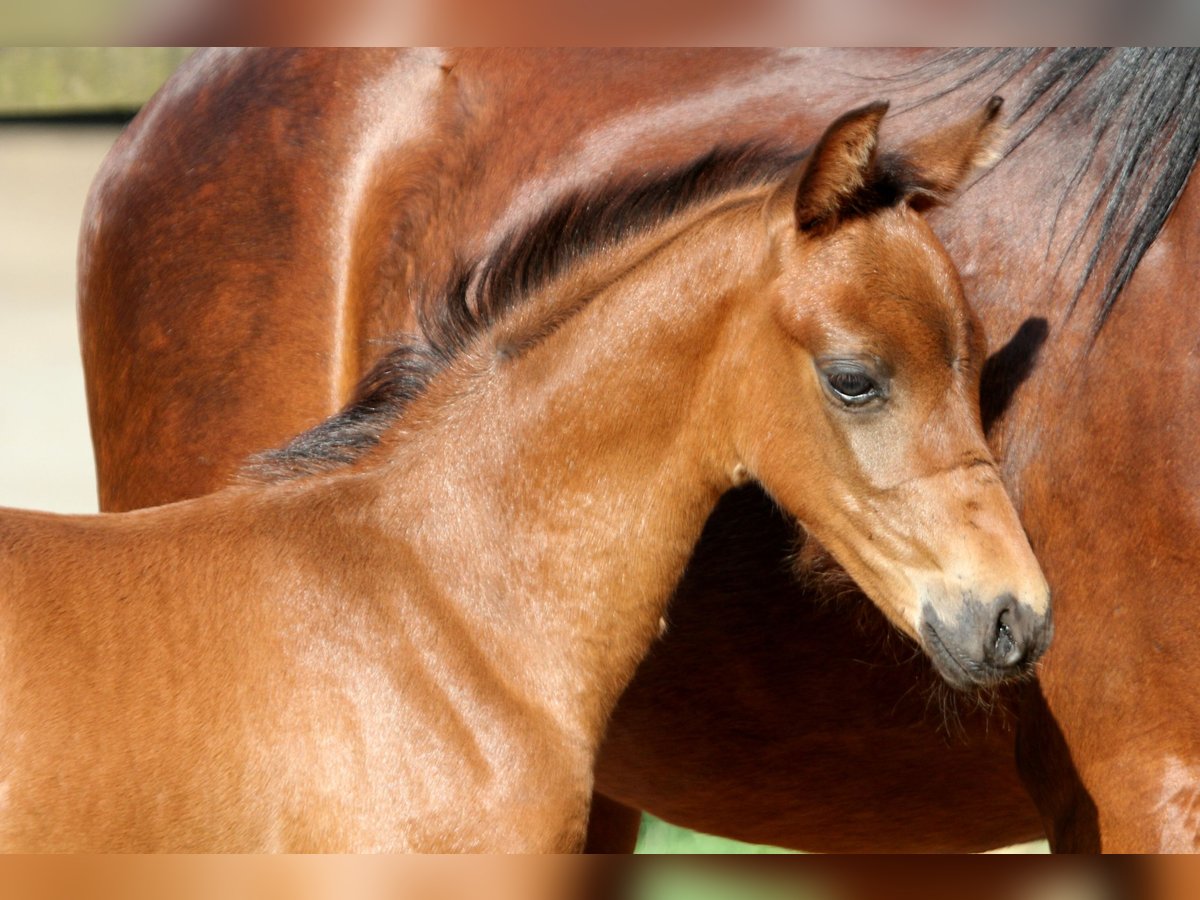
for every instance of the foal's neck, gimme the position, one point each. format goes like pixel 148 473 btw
pixel 581 471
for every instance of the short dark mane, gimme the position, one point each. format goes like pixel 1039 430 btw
pixel 481 293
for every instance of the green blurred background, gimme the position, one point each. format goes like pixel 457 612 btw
pixel 87 81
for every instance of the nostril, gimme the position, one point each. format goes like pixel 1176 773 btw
pixel 990 642
pixel 1005 649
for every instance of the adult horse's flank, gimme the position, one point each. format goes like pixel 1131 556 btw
pixel 409 628
pixel 273 217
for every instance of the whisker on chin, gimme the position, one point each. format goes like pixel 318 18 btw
pixel 826 583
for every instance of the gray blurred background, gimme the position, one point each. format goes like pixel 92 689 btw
pixel 45 453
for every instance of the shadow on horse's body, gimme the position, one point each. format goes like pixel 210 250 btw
pixel 407 629
pixel 252 238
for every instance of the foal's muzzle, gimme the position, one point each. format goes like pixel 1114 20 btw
pixel 988 642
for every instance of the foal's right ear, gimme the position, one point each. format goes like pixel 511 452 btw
pixel 837 169
pixel 939 164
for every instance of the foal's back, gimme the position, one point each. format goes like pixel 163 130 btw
pixel 234 652
pixel 134 675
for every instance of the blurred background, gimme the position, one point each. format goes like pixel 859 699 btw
pixel 60 111
pixel 45 454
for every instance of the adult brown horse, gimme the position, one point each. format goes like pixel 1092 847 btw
pixel 410 632
pixel 274 213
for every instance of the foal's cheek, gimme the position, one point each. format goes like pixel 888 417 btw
pixel 873 448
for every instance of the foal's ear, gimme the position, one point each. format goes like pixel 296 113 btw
pixel 837 170
pixel 939 164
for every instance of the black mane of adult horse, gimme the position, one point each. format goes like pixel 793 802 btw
pixel 280 212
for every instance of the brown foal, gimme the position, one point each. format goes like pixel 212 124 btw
pixel 407 629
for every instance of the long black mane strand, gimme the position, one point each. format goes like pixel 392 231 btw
pixel 1140 110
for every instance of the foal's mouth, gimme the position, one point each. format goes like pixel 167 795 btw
pixel 963 673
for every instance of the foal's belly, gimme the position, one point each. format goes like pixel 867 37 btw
pixel 68 789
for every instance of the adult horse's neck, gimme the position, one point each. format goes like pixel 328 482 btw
pixel 555 496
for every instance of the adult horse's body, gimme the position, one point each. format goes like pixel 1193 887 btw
pixel 279 213
pixel 410 631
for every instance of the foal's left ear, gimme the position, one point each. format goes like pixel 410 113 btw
pixel 938 165
pixel 837 170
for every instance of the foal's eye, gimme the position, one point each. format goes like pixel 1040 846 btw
pixel 852 385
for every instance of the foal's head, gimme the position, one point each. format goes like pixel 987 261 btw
pixel 864 412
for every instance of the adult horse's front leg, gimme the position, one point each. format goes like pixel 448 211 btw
pixel 1110 745
pixel 612 826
